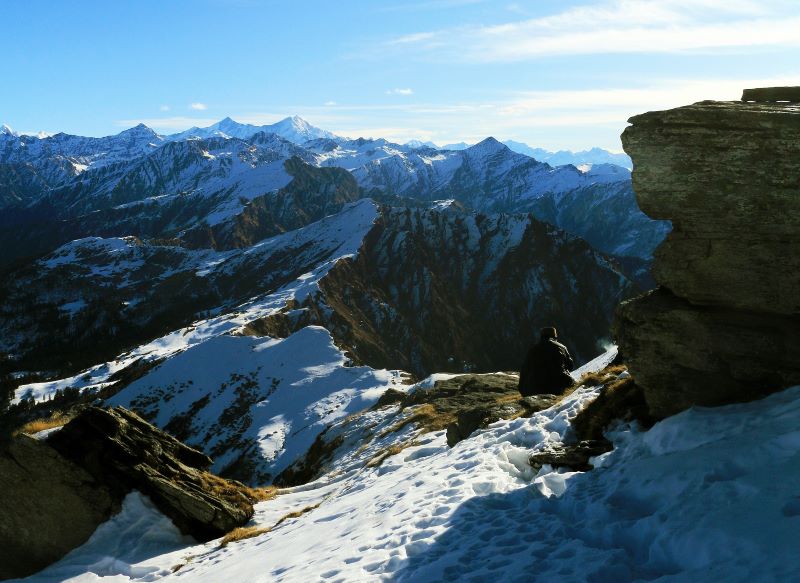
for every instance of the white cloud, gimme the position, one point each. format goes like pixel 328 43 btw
pixel 620 26
pixel 405 91
pixel 554 119
pixel 198 106
pixel 330 103
pixel 163 108
pixel 412 38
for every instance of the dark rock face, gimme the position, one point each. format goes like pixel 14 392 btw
pixel 428 288
pixel 127 453
pixel 724 325
pixel 48 506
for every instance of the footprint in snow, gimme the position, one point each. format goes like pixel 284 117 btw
pixel 791 508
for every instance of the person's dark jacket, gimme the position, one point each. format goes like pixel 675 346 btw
pixel 546 368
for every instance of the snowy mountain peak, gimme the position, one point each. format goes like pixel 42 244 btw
pixel 228 124
pixel 488 146
pixel 298 130
pixel 139 131
pixel 456 146
pixel 4 129
pixel 294 129
pixel 416 144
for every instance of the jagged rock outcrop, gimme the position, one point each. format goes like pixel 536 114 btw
pixel 125 452
pixel 724 324
pixel 57 491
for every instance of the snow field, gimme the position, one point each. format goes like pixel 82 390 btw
pixel 707 495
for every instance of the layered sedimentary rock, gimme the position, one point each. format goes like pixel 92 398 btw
pixel 125 452
pixel 725 324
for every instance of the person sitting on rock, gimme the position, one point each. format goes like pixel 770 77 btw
pixel 546 367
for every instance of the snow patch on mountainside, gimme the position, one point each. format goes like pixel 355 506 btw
pixel 275 395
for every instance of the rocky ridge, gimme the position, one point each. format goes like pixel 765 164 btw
pixel 723 324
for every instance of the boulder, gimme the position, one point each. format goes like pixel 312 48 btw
pixel 48 506
pixel 476 400
pixel 56 491
pixel 469 420
pixel 723 325
pixel 574 456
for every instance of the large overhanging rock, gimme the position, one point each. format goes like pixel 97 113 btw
pixel 727 174
pixel 683 354
pixel 725 326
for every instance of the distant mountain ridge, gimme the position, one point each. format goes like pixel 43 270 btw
pixel 559 158
pixel 160 186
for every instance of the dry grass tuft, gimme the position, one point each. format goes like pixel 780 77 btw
pixel 37 425
pixel 388 452
pixel 297 513
pixel 237 493
pixel 242 533
pixel 593 379
pixel 260 494
pixel 426 416
pixel 245 532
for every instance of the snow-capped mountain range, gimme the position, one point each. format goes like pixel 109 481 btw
pixel 294 129
pixel 558 158
pixel 219 169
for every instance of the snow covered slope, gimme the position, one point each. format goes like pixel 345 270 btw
pixel 140 288
pixel 226 168
pixel 61 157
pixel 255 404
pixel 707 495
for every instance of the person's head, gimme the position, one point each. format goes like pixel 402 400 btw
pixel 548 332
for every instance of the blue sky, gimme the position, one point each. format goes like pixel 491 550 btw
pixel 554 74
